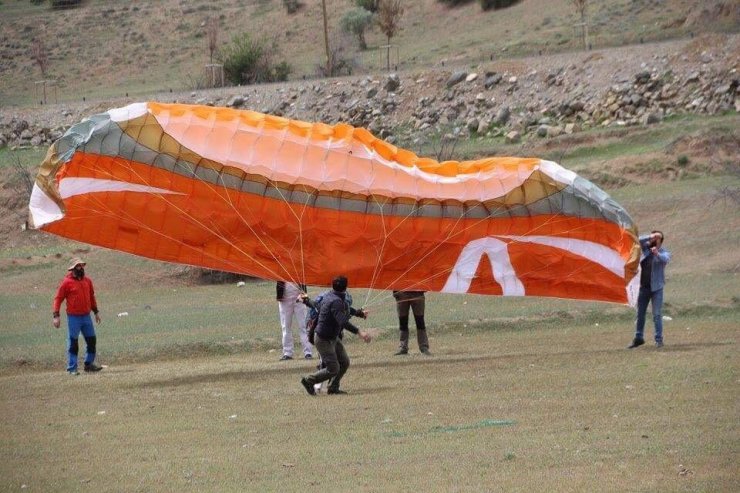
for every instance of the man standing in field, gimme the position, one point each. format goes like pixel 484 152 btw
pixel 289 309
pixel 77 290
pixel 652 279
pixel 333 318
pixel 413 300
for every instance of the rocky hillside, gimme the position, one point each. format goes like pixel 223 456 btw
pixel 538 97
pixel 108 48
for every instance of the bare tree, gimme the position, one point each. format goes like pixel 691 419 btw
pixel 40 55
pixel 329 69
pixel 212 29
pixel 389 18
pixel 446 149
pixel 340 60
pixel 21 183
pixel 581 7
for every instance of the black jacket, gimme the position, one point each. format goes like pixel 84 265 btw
pixel 280 289
pixel 333 317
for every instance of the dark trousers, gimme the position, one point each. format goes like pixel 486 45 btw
pixel 415 302
pixel 335 359
pixel 645 297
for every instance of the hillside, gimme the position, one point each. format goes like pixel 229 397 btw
pixel 561 106
pixel 564 106
pixel 107 48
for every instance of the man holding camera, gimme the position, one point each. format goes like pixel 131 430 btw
pixel 653 260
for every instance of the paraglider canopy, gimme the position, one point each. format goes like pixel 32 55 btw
pixel 281 199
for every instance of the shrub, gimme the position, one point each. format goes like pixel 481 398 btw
pixel 369 5
pixel 59 4
pixel 281 71
pixel 356 21
pixel 292 6
pixel 65 4
pixel 496 4
pixel 683 160
pixel 249 61
pixel 455 3
pixel 341 62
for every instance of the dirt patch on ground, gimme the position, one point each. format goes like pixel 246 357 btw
pixel 712 13
pixel 711 148
pixel 687 157
pixel 705 152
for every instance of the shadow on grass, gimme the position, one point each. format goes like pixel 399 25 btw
pixel 249 375
pixel 680 348
pixel 245 376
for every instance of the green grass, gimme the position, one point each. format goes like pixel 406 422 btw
pixel 558 409
pixel 591 147
pixel 29 157
pixel 645 140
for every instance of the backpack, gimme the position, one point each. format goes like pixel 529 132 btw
pixel 312 317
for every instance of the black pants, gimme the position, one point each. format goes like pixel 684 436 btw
pixel 413 300
pixel 335 359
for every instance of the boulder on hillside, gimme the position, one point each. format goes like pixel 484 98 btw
pixel 483 127
pixel 492 78
pixel 651 118
pixel 472 125
pixel 502 117
pixel 392 82
pixel 513 137
pixel 456 78
pixel 235 102
pixel 642 77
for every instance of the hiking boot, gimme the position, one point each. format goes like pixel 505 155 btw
pixel 285 357
pixel 92 367
pixel 401 352
pixel 425 352
pixel 308 386
pixel 659 344
pixel 73 373
pixel 636 343
pixel 336 391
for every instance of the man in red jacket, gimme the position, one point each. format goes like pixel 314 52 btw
pixel 78 291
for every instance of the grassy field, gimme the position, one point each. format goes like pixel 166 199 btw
pixel 519 395
pixel 556 406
